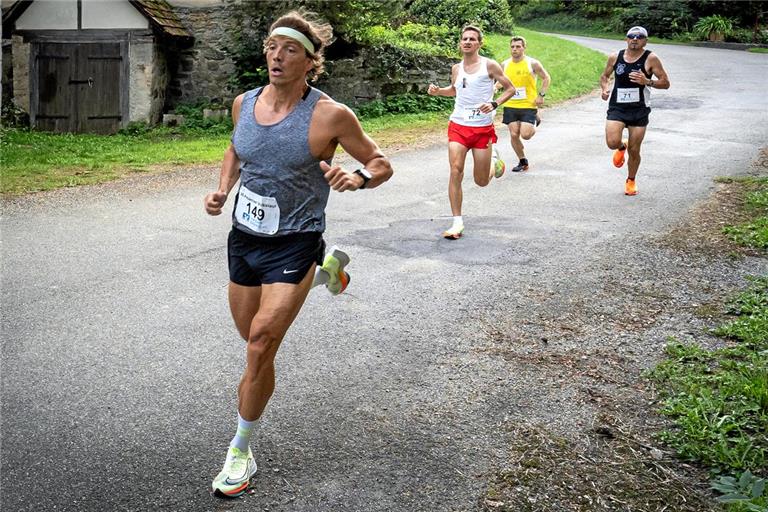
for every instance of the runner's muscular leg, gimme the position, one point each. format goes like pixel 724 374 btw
pixel 527 130
pixel 482 165
pixel 514 138
pixel 280 303
pixel 613 134
pixel 457 155
pixel 243 304
pixel 636 136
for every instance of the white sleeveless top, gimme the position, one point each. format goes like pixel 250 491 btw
pixel 472 90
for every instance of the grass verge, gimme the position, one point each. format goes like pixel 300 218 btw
pixel 754 232
pixel 718 398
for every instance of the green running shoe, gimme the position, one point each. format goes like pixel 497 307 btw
pixel 333 264
pixel 238 469
pixel 498 164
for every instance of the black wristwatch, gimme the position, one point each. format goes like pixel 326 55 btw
pixel 542 94
pixel 494 104
pixel 363 173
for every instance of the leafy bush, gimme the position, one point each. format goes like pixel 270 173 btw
pixel 662 18
pixel 708 26
pixel 490 15
pixel 747 35
pixel 404 104
pixel 413 37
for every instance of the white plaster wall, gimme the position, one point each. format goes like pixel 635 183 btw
pixel 21 73
pixel 112 14
pixel 49 15
pixel 141 56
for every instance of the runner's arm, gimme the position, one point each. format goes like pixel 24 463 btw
pixel 230 170
pixel 434 90
pixel 361 147
pixel 542 73
pixel 657 70
pixel 497 73
pixel 605 78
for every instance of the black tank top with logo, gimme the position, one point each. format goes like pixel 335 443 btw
pixel 626 94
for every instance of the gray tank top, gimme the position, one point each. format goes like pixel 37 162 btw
pixel 282 188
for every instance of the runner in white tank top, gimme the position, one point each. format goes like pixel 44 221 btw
pixel 471 123
pixel 472 91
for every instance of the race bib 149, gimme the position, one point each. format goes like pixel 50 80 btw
pixel 257 213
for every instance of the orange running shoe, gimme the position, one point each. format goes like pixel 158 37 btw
pixel 630 188
pixel 618 155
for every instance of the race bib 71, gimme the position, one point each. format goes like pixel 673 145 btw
pixel 627 95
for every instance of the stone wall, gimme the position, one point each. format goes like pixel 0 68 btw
pixel 21 72
pixel 359 80
pixel 203 71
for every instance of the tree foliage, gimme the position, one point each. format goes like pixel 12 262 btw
pixel 663 18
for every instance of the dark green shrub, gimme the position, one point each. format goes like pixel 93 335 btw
pixel 662 18
pixel 405 104
pixel 490 15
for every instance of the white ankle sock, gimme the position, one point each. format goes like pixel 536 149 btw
pixel 458 222
pixel 243 434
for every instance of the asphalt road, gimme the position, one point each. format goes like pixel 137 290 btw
pixel 120 361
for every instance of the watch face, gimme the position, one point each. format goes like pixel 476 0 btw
pixel 365 174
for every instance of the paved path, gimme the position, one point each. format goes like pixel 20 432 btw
pixel 119 360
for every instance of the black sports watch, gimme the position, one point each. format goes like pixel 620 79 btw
pixel 363 173
pixel 494 104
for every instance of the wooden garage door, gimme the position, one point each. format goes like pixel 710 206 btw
pixel 79 87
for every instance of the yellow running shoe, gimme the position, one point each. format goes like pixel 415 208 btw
pixel 333 264
pixel 238 469
pixel 498 164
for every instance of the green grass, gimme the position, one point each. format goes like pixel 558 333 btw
pixel 753 233
pixel 758 50
pixel 37 161
pixel 718 398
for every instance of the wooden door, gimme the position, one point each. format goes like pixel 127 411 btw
pixel 55 102
pixel 79 87
pixel 98 87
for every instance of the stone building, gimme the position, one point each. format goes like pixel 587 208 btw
pixel 91 65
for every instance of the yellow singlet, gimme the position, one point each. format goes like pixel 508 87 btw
pixel 523 78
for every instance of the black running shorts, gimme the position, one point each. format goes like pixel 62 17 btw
pixel 524 115
pixel 630 117
pixel 256 260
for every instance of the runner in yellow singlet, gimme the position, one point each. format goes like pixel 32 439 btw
pixel 521 112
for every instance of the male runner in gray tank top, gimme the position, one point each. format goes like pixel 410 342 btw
pixel 282 147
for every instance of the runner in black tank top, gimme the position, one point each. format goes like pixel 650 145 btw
pixel 629 100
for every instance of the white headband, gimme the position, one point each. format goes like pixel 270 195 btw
pixel 294 34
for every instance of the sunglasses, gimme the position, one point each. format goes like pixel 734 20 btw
pixel 635 36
